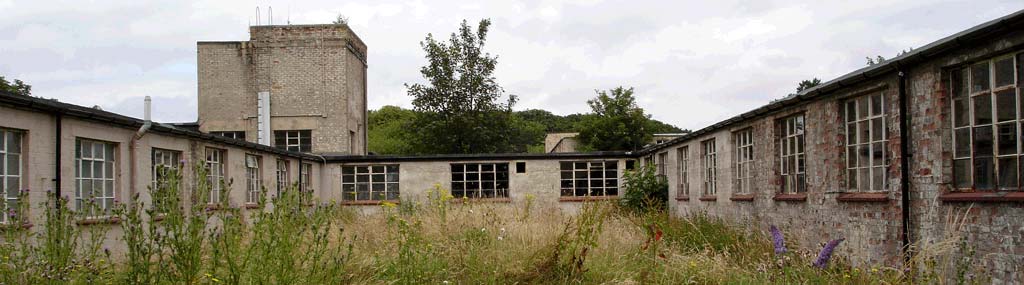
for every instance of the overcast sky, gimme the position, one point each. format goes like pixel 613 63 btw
pixel 692 63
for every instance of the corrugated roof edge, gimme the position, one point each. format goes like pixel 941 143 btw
pixel 859 75
pixel 90 114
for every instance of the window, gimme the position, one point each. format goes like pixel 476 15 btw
pixel 238 135
pixel 589 178
pixel 294 140
pixel 305 175
pixel 480 180
pixel 660 164
pixel 709 161
pixel 521 167
pixel 215 173
pixel 743 161
pixel 369 182
pixel 352 142
pixel 94 177
pixel 282 176
pixel 253 179
pixel 866 150
pixel 165 167
pixel 10 170
pixel 791 154
pixel 986 125
pixel 682 158
pixel 630 164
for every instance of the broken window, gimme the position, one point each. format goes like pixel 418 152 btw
pixel 480 180
pixel 986 124
pixel 253 179
pixel 94 177
pixel 296 140
pixel 661 163
pixel 589 178
pixel 377 182
pixel 283 180
pixel 214 173
pixel 791 154
pixel 682 158
pixel 867 155
pixel 743 161
pixel 709 161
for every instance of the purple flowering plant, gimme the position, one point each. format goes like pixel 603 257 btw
pixel 826 253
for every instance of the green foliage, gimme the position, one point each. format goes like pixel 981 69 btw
pixel 459 110
pixel 388 130
pixel 17 87
pixel 807 84
pixel 618 124
pixel 644 190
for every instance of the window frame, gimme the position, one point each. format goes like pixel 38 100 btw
pixel 253 178
pixel 792 143
pixel 497 190
pixel 743 161
pixel 857 129
pixel 294 140
pixel 282 175
pixel 709 166
pixel 215 157
pixel 107 181
pixel 682 159
pixel 238 135
pixel 569 177
pixel 7 136
pixel 389 182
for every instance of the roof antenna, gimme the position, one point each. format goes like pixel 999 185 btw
pixel 270 15
pixel 257 15
pixel 288 14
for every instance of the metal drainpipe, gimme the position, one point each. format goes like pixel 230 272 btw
pixel 300 176
pixel 133 147
pixel 56 161
pixel 905 156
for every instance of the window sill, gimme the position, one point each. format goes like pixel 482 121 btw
pixel 481 200
pixel 863 197
pixel 99 221
pixel 994 196
pixel 709 198
pixel 743 198
pixel 586 198
pixel 368 202
pixel 214 207
pixel 251 206
pixel 792 197
pixel 684 198
pixel 15 227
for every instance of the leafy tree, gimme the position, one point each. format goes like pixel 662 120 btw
pixel 658 127
pixel 17 87
pixel 644 190
pixel 807 84
pixel 459 109
pixel 340 20
pixel 387 130
pixel 618 123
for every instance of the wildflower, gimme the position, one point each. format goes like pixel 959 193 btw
pixel 388 205
pixel 874 270
pixel 847 276
pixel 693 264
pixel 777 240
pixel 215 280
pixel 826 253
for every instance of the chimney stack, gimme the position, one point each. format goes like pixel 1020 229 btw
pixel 148 111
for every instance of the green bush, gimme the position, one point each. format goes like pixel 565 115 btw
pixel 644 190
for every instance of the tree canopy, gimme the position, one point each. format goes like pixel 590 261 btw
pixel 17 87
pixel 618 122
pixel 807 84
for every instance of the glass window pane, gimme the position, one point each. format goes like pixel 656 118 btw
pixel 983 109
pixel 963 142
pixel 851 133
pixel 960 81
pixel 983 173
pixel 979 77
pixel 1004 72
pixel 962 173
pixel 983 141
pixel 877 154
pixel 1006 105
pixel 877 131
pixel 864 130
pixel 13 142
pixel 876 105
pixel 961 114
pixel 1007 138
pixel 851 111
pixel 878 178
pixel 1008 173
pixel 851 179
pixel 13 165
pixel 862 108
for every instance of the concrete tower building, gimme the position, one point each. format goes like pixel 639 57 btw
pixel 297 87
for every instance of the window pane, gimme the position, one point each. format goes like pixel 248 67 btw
pixel 1007 138
pixel 983 141
pixel 862 108
pixel 962 115
pixel 983 109
pixel 877 154
pixel 877 131
pixel 13 142
pixel 960 81
pixel 878 178
pixel 851 111
pixel 13 165
pixel 865 131
pixel 876 105
pixel 962 173
pixel 983 173
pixel 963 142
pixel 979 77
pixel 1006 105
pixel 1008 173
pixel 1004 72
pixel 851 179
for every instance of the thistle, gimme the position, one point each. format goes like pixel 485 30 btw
pixel 826 253
pixel 777 240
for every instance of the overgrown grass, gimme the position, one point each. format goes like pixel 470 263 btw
pixel 440 241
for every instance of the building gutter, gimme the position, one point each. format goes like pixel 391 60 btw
pixel 57 160
pixel 905 157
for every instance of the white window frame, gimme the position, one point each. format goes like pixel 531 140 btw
pixel 306 171
pixel 792 156
pixel 253 178
pixel 283 180
pixel 743 161
pixel 682 158
pixel 163 159
pixel 11 177
pixel 867 155
pixel 499 188
pixel 293 140
pixel 372 182
pixel 575 173
pixel 660 163
pixel 709 163
pixel 215 173
pixel 106 162
pixel 968 160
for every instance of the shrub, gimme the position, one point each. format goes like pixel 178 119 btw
pixel 644 190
